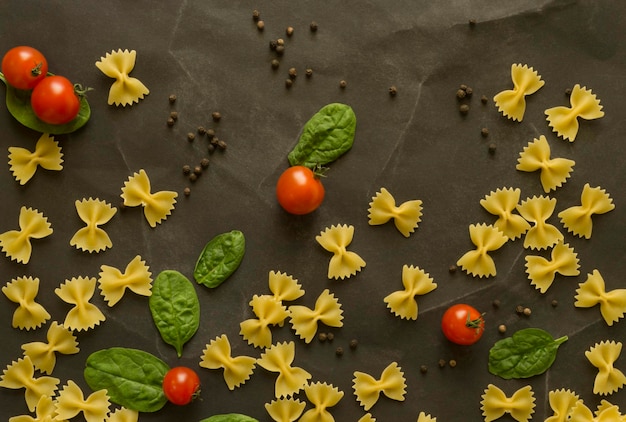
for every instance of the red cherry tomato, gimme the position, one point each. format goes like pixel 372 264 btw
pixel 462 324
pixel 299 190
pixel 181 385
pixel 24 67
pixel 55 101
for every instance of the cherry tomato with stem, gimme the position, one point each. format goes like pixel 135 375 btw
pixel 462 324
pixel 24 67
pixel 299 190
pixel 55 100
pixel 181 385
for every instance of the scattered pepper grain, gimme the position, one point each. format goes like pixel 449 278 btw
pixel 191 136
pixel 469 91
pixel 393 90
pixel 280 50
pixel 186 169
pixel 472 23
pixel 484 99
pixel 568 92
pixel 502 328
pixel 256 15
pixel 193 177
pixel 187 191
pixel 201 130
pixel 330 336
pixel 309 72
pixel 484 132
pixel 273 45
pixel 322 337
pixel 288 83
pixel 492 148
pixel 423 369
pixel 280 41
pixel 452 363
pixel 527 311
pixel 221 144
pixel 289 31
pixel 460 93
pixel 204 163
pixel 554 303
pixel 519 309
pixel 174 115
pixel 452 269
pixel 172 98
pixel 339 351
pixel 343 84
pixel 210 133
pixel 464 109
pixel 170 122
pixel 260 25
pixel 211 148
pixel 442 363
pixel 275 64
pixel 197 170
pixel 313 26
pixel 217 116
pixel 496 303
pixel 354 343
pixel 293 72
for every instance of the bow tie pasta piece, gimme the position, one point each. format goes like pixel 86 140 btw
pixel 537 210
pixel 577 219
pixel 343 263
pixel 21 374
pixel 521 405
pixel 24 163
pixel 156 206
pixel 71 402
pixel 136 277
pixel 125 90
pixel 541 271
pixel 94 213
pixel 29 314
pixel 592 292
pixel 477 262
pixel 279 358
pixel 322 396
pixel 237 370
pixel 327 311
pixel 423 417
pixel 268 311
pixel 16 243
pixel 391 383
pixel 603 355
pixel 78 291
pixel 512 103
pixel 60 340
pixel 285 409
pixel 406 217
pixel 416 282
pixel 606 412
pixel 44 412
pixel 369 418
pixel 502 203
pixel 536 156
pixel 284 287
pixel 123 415
pixel 561 402
pixel 564 120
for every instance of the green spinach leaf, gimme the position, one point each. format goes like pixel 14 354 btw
pixel 230 417
pixel 133 378
pixel 175 308
pixel 325 137
pixel 220 258
pixel 529 352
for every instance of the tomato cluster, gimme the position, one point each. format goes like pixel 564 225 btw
pixel 54 99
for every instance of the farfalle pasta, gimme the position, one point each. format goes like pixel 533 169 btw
pixel 16 243
pixel 423 417
pixel 304 321
pixel 541 271
pixel 512 102
pixel 136 277
pixel 553 171
pixel 606 412
pixel 78 291
pixel 43 355
pixel 322 396
pixel 495 404
pixel 502 202
pixel 29 314
pixel 284 287
pixel 285 409
pixel 564 120
pixel 537 210
pixel 406 216
pixel 279 358
pixel 268 311
pixel 391 383
pixel 477 262
pixel 71 402
pixel 603 355
pixel 123 415
pixel 367 418
pixel 416 282
pixel 44 412
pixel 47 155
pixel 561 402
pixel 217 355
pixel 577 219
pixel 21 374
pixel 94 213
pixel 156 206
pixel 593 292
pixel 343 263
pixel 126 90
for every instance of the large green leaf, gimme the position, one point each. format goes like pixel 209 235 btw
pixel 220 258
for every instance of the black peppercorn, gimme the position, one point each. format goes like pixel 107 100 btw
pixel 313 26
pixel 322 337
pixel 469 91
pixel 174 115
pixel 275 64
pixel 201 130
pixel 221 144
pixel 256 15
pixel 423 369
pixel 464 108
pixel 554 303
pixel 210 133
pixel 211 148
pixel 197 170
pixel 452 363
pixel 193 177
pixel 260 25
pixel 191 136
pixel 484 99
pixel 280 50
pixel 170 121
pixel 339 351
pixel 280 41
pixel 204 163
pixel 288 83
pixel 273 45
pixel 309 72
pixel 442 363
pixel 330 336
pixel 452 269
pixel 186 169
pixel 187 191
pixel 484 132
pixel 293 72
pixel 496 303
pixel 393 90
pixel 492 148
pixel 172 99
pixel 289 31
pixel 460 94
pixel 343 84
pixel 216 116
pixel 354 343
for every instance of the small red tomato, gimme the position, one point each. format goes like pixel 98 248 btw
pixel 181 385
pixel 299 191
pixel 24 67
pixel 55 101
pixel 462 324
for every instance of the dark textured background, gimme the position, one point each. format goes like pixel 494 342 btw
pixel 417 145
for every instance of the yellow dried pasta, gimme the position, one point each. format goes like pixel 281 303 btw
pixel 577 219
pixel 367 418
pixel 94 213
pixel 541 272
pixel 279 358
pixel 268 311
pixel 156 206
pixel 71 401
pixel 502 202
pixel 327 310
pixel 123 415
pixel 495 404
pixel 406 216
pixel 60 340
pixel 343 263
pixel 593 292
pixel 423 417
pixel 136 277
pixel 284 286
pixel 391 383
pixel 47 155
pixel 554 171
pixel 29 314
pixel 322 396
pixel 21 374
pixel 603 355
pixel 416 282
pixel 78 291
pixel 564 120
pixel 285 409
pixel 217 355
pixel 44 412
pixel 16 243
pixel 561 402
pixel 606 412
pixel 126 90
pixel 477 262
pixel 512 102
pixel 537 210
